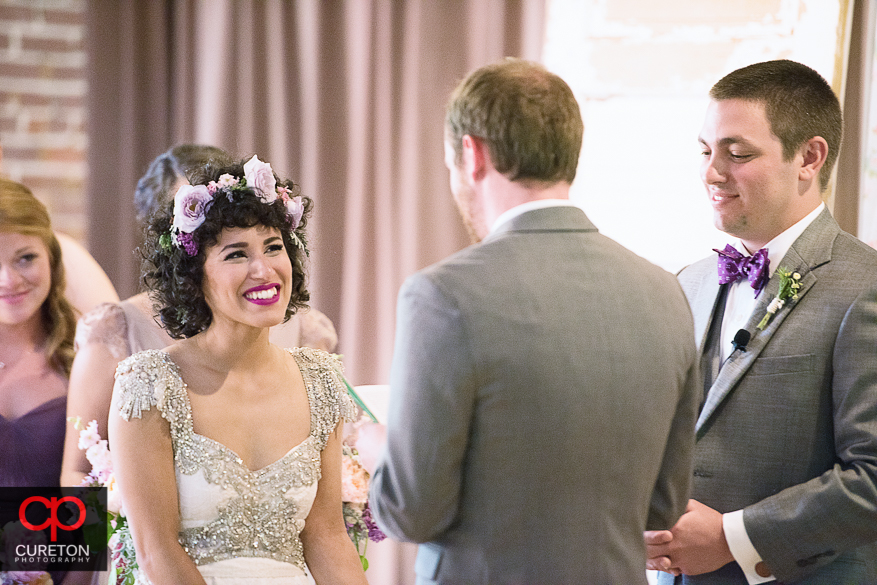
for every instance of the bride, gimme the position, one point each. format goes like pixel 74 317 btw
pixel 226 448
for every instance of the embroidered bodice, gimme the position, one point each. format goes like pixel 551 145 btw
pixel 228 511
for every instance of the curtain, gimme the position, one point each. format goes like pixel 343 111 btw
pixel 855 101
pixel 345 97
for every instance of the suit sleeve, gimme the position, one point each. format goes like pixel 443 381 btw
pixel 415 491
pixel 673 486
pixel 806 526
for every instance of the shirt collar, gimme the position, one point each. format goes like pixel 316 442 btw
pixel 510 214
pixel 779 246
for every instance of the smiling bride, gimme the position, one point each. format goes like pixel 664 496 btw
pixel 226 448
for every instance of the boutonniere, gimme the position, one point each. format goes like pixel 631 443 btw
pixel 790 283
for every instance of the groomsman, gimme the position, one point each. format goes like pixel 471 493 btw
pixel 785 472
pixel 544 384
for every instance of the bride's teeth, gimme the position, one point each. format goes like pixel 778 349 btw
pixel 262 294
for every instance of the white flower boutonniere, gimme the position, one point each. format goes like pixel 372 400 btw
pixel 790 283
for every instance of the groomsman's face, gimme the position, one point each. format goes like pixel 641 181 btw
pixel 753 190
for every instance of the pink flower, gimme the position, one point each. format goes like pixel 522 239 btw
pixel 295 208
pixel 261 178
pixel 89 435
pixel 354 479
pixel 191 204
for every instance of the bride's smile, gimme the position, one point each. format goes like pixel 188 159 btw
pixel 247 276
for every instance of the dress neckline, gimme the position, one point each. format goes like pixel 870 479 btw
pixel 222 446
pixel 39 408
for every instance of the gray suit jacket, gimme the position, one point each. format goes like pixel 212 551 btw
pixel 544 388
pixel 788 432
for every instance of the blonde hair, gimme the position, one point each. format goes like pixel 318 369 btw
pixel 22 213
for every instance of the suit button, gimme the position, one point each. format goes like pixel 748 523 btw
pixel 762 570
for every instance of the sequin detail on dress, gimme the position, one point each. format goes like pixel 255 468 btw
pixel 257 516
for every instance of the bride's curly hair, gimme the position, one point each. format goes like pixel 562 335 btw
pixel 174 279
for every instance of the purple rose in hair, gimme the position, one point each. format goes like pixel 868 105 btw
pixel 261 178
pixel 191 204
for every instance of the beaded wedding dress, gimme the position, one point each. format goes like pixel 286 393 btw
pixel 239 526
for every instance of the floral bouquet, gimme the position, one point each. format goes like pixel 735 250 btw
pixel 124 569
pixel 12 534
pixel 25 578
pixel 354 495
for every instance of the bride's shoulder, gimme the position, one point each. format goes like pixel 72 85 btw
pixel 316 358
pixel 143 381
pixel 323 373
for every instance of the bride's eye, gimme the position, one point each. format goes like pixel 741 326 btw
pixel 235 255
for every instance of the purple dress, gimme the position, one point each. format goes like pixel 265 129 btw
pixel 31 446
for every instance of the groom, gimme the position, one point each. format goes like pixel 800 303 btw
pixel 785 473
pixel 544 382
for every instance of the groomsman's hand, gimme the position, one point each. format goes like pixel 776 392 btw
pixel 698 545
pixel 370 444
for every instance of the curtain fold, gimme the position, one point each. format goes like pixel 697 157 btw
pixel 345 97
pixel 855 103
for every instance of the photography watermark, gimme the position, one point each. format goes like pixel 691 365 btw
pixel 53 529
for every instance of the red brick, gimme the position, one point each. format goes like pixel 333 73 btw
pixel 68 154
pixel 65 17
pixel 17 13
pixel 54 45
pixel 42 71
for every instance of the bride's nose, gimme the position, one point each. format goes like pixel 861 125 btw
pixel 260 267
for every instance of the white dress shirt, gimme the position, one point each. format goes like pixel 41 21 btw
pixel 508 214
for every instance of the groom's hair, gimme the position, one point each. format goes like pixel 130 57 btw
pixel 527 116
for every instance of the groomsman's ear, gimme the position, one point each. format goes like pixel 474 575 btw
pixel 813 152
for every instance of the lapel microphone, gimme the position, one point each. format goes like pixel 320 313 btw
pixel 740 341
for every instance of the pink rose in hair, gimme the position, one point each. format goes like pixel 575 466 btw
pixel 261 178
pixel 295 208
pixel 191 204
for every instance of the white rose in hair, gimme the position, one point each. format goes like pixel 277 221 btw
pixel 261 178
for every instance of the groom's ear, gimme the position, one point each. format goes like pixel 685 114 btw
pixel 476 157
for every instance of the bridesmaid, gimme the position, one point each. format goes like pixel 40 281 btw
pixel 36 342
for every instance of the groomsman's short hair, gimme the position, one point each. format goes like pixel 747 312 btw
pixel 799 104
pixel 527 116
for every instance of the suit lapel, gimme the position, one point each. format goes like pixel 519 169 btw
pixel 811 250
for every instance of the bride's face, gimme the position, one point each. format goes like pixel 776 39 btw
pixel 25 278
pixel 248 277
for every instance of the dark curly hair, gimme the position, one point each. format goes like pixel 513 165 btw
pixel 174 279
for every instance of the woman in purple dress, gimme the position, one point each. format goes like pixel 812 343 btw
pixel 37 325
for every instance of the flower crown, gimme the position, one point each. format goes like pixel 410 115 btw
pixel 192 202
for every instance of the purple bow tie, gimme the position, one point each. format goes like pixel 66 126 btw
pixel 733 266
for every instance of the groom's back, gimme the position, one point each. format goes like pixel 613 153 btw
pixel 579 353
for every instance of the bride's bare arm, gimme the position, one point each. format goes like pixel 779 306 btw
pixel 329 552
pixel 143 462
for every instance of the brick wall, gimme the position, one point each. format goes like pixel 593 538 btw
pixel 42 104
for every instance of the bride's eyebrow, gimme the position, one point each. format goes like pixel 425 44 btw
pixel 233 246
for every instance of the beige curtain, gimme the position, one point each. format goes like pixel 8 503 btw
pixel 345 97
pixel 855 101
